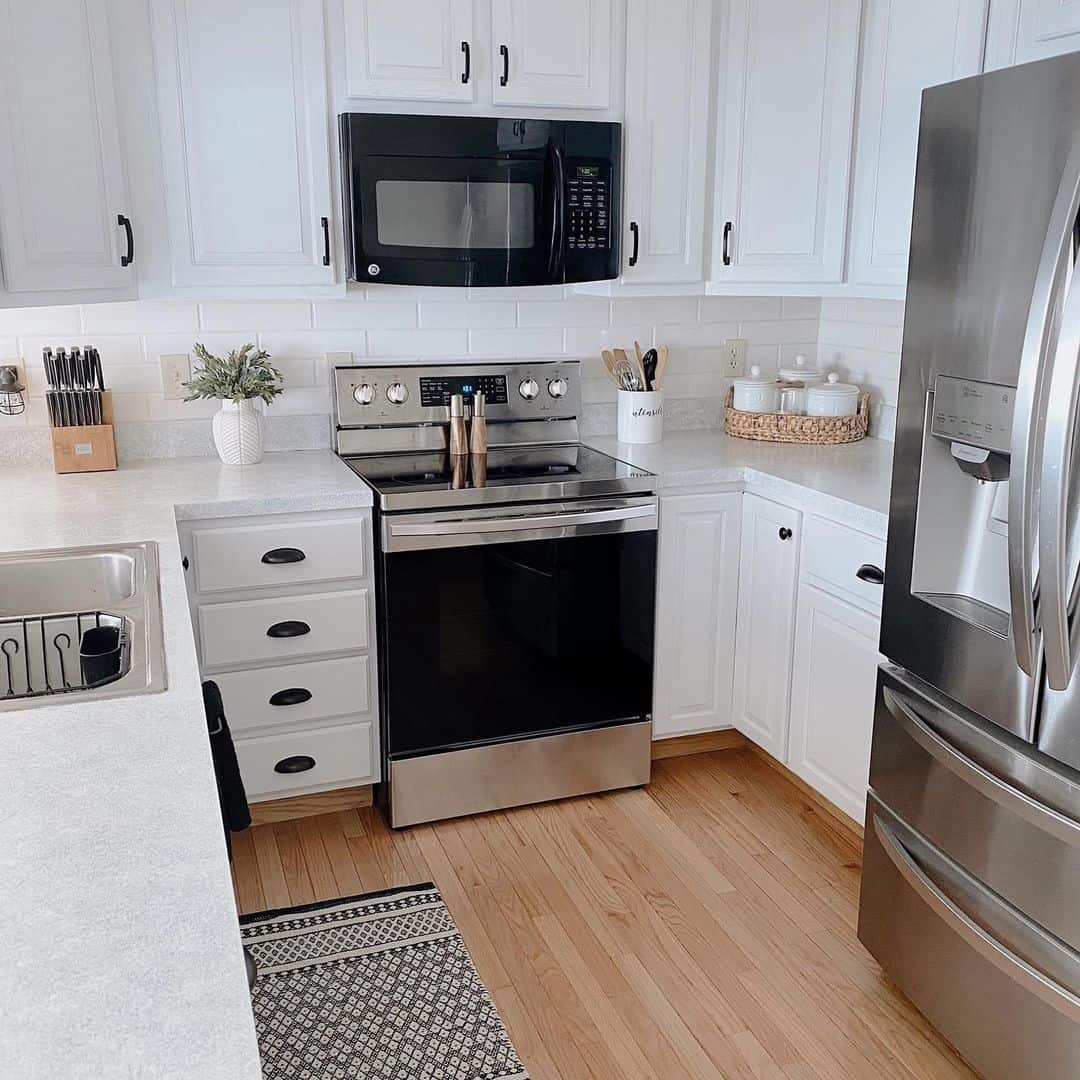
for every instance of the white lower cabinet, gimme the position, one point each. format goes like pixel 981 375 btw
pixel 832 698
pixel 697 594
pixel 768 576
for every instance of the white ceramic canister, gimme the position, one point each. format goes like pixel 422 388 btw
pixel 832 398
pixel 641 416
pixel 756 392
pixel 802 374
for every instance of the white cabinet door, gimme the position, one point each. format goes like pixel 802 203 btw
pixel 768 569
pixel 908 45
pixel 62 188
pixel 832 698
pixel 784 144
pixel 242 98
pixel 1023 30
pixel 411 49
pixel 551 53
pixel 665 137
pixel 697 596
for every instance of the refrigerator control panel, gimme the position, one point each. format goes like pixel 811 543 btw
pixel 976 413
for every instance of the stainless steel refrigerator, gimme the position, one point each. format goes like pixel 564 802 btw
pixel 971 876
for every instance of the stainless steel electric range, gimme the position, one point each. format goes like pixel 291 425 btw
pixel 515 590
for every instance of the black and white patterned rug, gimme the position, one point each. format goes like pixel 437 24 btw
pixel 376 987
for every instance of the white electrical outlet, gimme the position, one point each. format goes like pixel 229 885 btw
pixel 175 371
pixel 734 356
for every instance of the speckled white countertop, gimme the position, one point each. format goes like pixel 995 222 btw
pixel 850 483
pixel 121 953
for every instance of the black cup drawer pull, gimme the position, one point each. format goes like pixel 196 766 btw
pixel 289 628
pixel 295 695
pixel 785 533
pixel 869 572
pixel 281 556
pixel 299 763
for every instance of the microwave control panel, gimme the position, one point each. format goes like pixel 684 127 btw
pixel 588 193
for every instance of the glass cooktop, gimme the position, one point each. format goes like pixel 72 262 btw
pixel 414 480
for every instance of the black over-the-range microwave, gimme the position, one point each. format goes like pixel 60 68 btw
pixel 477 200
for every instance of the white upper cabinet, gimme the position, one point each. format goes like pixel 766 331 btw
pixel 421 50
pixel 63 201
pixel 664 139
pixel 768 577
pixel 1023 30
pixel 551 53
pixel 908 45
pixel 697 590
pixel 242 103
pixel 784 143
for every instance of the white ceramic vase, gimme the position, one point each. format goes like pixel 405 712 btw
pixel 238 432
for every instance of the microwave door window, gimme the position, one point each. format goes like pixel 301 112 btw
pixel 456 215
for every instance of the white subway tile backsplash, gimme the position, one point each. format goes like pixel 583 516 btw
pixel 313 343
pixel 360 314
pixel 780 331
pixel 303 401
pixel 128 407
pixel 582 341
pixel 296 370
pixel 851 335
pixel 886 312
pixel 801 307
pixel 731 309
pixel 418 343
pixel 133 378
pixel 507 344
pixel 255 315
pixel 674 309
pixel 160 409
pixel 141 317
pixel 40 321
pixel 467 313
pixel 582 311
pixel 697 335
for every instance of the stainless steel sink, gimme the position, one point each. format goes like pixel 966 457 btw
pixel 50 599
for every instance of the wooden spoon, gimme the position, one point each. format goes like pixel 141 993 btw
pixel 611 364
pixel 661 363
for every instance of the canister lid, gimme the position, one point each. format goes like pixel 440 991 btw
pixel 755 378
pixel 801 371
pixel 832 387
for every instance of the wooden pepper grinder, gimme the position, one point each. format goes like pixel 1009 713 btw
pixel 478 442
pixel 459 439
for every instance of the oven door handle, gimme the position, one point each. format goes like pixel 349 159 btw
pixel 454 531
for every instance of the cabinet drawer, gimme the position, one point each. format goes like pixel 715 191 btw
pixel 832 554
pixel 284 627
pixel 295 693
pixel 282 553
pixel 323 756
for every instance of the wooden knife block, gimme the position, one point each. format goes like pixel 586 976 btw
pixel 88 448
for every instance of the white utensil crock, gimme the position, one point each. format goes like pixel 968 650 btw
pixel 641 415
pixel 238 428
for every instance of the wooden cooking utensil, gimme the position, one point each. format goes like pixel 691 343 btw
pixel 661 364
pixel 611 365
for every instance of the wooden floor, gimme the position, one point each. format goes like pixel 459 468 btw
pixel 703 927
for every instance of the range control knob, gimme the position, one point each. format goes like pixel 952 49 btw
pixel 364 394
pixel 397 393
pixel 528 389
pixel 557 387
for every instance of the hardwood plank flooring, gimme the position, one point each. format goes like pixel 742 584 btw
pixel 703 927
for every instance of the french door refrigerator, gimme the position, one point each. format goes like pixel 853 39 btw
pixel 971 876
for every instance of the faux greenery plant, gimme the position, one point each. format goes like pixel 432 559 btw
pixel 244 373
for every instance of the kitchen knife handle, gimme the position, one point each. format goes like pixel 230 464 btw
pixel 289 628
pixel 282 555
pixel 468 61
pixel 727 242
pixel 125 224
pixel 504 52
pixel 871 573
pixel 295 695
pixel 634 234
pixel 326 241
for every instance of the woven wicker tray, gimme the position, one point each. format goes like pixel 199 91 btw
pixel 783 427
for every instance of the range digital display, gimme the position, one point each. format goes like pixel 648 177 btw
pixel 435 391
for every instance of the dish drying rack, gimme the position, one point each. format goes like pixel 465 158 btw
pixel 40 653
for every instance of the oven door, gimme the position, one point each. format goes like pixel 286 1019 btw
pixel 459 221
pixel 500 624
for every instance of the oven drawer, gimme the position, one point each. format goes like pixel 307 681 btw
pixel 283 628
pixel 1002 815
pixel 282 764
pixel 998 987
pixel 295 693
pixel 832 557
pixel 281 553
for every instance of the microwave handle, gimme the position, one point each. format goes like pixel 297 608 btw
pixel 558 212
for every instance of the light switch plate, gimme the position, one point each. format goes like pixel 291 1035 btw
pixel 175 371
pixel 734 357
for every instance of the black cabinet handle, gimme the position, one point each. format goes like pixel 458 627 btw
pixel 869 572
pixel 468 61
pixel 278 556
pixel 634 234
pixel 727 243
pixel 325 241
pixel 295 695
pixel 504 52
pixel 785 533
pixel 289 628
pixel 299 763
pixel 125 224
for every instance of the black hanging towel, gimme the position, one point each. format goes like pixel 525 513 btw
pixel 235 814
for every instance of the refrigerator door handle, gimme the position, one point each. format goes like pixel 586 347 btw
pixel 1028 424
pixel 1061 630
pixel 1018 969
pixel 973 774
